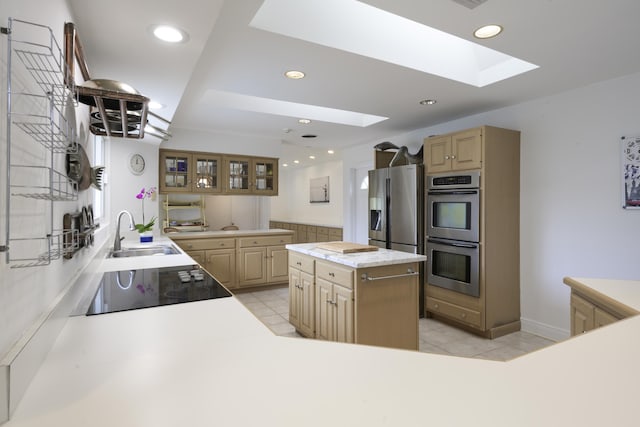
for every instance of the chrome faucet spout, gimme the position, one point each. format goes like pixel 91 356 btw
pixel 118 239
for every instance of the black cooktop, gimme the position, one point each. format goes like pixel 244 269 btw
pixel 152 287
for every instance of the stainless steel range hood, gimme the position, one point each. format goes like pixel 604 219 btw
pixel 117 109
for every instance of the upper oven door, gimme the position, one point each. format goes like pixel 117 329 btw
pixel 454 214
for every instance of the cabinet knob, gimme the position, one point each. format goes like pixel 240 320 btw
pixel 189 246
pixel 453 156
pixel 463 315
pixel 436 306
pixel 255 243
pixel 446 157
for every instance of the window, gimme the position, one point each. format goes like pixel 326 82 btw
pixel 98 160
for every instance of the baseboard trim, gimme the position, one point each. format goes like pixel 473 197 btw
pixel 544 330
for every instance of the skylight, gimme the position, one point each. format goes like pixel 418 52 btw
pixel 290 109
pixel 359 28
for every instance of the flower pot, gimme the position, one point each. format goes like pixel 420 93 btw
pixel 146 236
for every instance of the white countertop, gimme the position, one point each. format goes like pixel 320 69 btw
pixel 358 259
pixel 212 363
pixel 228 233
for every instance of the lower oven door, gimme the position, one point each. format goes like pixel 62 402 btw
pixel 454 265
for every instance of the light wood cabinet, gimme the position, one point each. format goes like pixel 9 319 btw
pixel 373 306
pixel 249 175
pixel 216 173
pixel 459 151
pixel 223 263
pixel 241 262
pixel 189 172
pixel 307 233
pixel 302 294
pixel 495 153
pixel 262 260
pixel 590 309
pixel 587 315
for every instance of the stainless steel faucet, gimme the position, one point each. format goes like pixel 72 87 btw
pixel 118 239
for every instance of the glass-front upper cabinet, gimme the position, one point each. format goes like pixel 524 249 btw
pixel 188 172
pixel 206 174
pixel 174 172
pixel 238 169
pixel 265 178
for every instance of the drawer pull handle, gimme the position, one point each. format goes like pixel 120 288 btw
pixel 463 315
pixel 409 272
pixel 332 274
pixel 298 263
pixel 436 306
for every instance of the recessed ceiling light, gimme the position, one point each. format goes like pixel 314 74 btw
pixel 312 157
pixel 169 34
pixel 285 165
pixel 428 102
pixel 330 151
pixel 296 162
pixel 154 105
pixel 304 121
pixel 294 74
pixel 487 31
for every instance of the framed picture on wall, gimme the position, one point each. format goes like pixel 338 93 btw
pixel 319 190
pixel 631 172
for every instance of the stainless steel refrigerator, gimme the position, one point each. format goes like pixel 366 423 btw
pixel 396 211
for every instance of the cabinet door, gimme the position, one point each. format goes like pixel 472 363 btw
pixel 198 256
pixel 582 315
pixel 438 154
pixel 307 305
pixel 221 263
pixel 206 173
pixel 252 266
pixel 602 318
pixel 466 150
pixel 343 312
pixel 324 310
pixel 295 297
pixel 175 172
pixel 237 175
pixel 277 264
pixel 265 177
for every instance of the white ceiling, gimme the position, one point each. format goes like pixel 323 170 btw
pixel 574 43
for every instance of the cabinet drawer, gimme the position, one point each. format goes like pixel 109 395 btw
pixel 335 233
pixel 342 276
pixel 301 262
pixel 203 244
pixel 248 242
pixel 454 311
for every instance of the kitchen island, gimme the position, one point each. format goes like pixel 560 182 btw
pixel 368 297
pixel 212 363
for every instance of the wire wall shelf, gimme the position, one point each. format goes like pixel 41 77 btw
pixel 43 107
pixel 48 248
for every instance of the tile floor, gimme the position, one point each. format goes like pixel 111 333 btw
pixel 272 308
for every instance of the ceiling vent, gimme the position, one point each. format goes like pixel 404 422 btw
pixel 470 4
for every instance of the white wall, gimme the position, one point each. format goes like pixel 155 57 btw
pixel 27 293
pixel 293 204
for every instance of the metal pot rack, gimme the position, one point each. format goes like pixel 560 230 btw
pixel 132 109
pixel 37 108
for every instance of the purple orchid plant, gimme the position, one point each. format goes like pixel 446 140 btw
pixel 145 194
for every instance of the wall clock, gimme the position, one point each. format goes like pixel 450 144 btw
pixel 136 164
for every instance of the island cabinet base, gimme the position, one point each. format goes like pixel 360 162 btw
pixel 386 309
pixel 372 306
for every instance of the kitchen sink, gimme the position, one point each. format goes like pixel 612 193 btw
pixel 150 250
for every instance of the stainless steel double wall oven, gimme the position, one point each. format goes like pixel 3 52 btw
pixel 453 231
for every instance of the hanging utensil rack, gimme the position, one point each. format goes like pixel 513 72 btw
pixel 131 110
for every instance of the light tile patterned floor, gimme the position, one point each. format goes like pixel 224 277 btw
pixel 272 308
